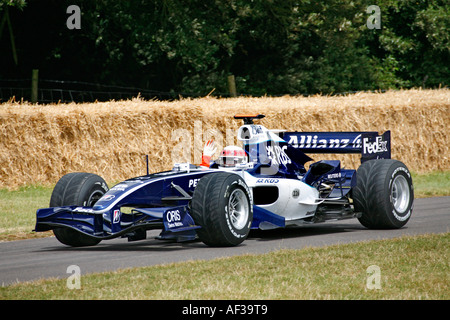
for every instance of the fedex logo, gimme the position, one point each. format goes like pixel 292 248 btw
pixel 374 147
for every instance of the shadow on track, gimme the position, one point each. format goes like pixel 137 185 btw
pixel 153 245
pixel 303 231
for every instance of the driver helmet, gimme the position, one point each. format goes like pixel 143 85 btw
pixel 231 156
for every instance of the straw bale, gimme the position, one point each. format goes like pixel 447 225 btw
pixel 40 143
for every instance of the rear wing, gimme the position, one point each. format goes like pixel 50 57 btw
pixel 369 144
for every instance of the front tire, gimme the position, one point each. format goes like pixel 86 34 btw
pixel 384 194
pixel 222 205
pixel 77 189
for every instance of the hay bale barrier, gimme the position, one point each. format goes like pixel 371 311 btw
pixel 41 143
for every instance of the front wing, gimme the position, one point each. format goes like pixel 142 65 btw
pixel 175 222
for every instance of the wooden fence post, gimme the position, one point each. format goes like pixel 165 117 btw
pixel 34 85
pixel 232 86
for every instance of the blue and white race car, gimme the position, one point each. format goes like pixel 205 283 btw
pixel 221 203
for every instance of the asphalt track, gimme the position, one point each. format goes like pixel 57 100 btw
pixel 45 258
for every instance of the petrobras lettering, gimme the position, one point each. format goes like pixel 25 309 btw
pixel 267 180
pixel 193 183
pixel 318 141
pixel 374 147
pixel 277 155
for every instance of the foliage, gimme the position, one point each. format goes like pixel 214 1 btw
pixel 20 4
pixel 272 47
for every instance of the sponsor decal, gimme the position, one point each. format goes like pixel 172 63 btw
pixel 400 218
pixel 193 183
pixel 173 218
pixel 313 141
pixel 249 194
pixel 257 129
pixel 401 169
pixel 119 187
pixel 116 216
pixel 83 210
pixel 105 187
pixel 379 145
pixel 267 180
pixel 277 155
pixel 107 197
pixel 334 175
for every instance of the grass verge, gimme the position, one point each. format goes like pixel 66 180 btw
pixel 18 211
pixel 18 207
pixel 432 184
pixel 410 268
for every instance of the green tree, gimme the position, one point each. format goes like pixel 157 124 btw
pixel 19 4
pixel 412 48
pixel 273 47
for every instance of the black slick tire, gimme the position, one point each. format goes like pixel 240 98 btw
pixel 384 194
pixel 222 205
pixel 77 189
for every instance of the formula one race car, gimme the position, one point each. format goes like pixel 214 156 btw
pixel 219 204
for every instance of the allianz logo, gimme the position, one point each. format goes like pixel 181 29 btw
pixel 312 141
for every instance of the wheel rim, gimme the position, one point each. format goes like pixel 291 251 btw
pixel 94 197
pixel 400 194
pixel 238 209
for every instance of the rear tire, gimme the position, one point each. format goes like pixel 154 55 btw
pixel 222 205
pixel 384 194
pixel 77 189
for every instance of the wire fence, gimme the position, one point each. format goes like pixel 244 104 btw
pixel 54 91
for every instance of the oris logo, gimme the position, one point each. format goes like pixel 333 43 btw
pixel 173 215
pixel 173 218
